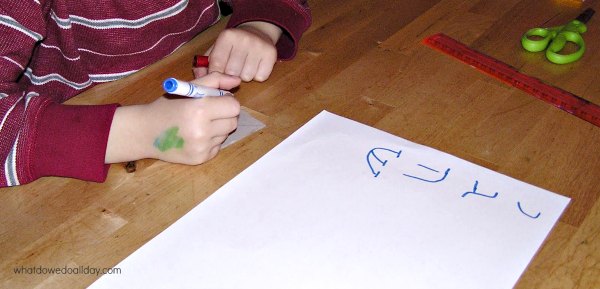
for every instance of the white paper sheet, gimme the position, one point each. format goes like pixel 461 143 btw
pixel 342 205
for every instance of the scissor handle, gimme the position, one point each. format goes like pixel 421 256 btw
pixel 555 39
pixel 559 42
pixel 533 45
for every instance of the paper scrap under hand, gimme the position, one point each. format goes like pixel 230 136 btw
pixel 342 205
pixel 246 126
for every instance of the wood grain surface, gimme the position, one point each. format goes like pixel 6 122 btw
pixel 362 59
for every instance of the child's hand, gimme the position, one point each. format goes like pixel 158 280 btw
pixel 247 51
pixel 187 131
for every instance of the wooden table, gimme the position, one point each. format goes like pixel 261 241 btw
pixel 363 60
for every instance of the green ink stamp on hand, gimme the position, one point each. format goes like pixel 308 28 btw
pixel 168 140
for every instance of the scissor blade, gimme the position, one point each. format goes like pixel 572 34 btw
pixel 586 15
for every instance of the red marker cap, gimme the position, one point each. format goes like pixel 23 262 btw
pixel 200 61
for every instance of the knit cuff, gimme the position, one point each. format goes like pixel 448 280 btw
pixel 71 141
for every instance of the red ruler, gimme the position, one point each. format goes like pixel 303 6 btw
pixel 560 98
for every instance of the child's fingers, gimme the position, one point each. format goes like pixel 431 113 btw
pixel 218 80
pixel 224 126
pixel 236 61
pixel 244 53
pixel 265 67
pixel 200 71
pixel 219 54
pixel 214 151
pixel 250 68
pixel 221 107
pixel 218 140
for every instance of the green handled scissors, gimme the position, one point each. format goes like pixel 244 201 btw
pixel 555 39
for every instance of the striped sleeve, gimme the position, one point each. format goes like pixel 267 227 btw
pixel 34 140
pixel 292 16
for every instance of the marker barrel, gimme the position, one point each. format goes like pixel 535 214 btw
pixel 183 88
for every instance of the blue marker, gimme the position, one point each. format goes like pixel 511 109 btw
pixel 178 87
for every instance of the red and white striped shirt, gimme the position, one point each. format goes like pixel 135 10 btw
pixel 52 50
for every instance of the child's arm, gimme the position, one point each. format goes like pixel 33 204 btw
pixel 259 32
pixel 188 131
pixel 247 51
pixel 39 136
pixel 42 137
